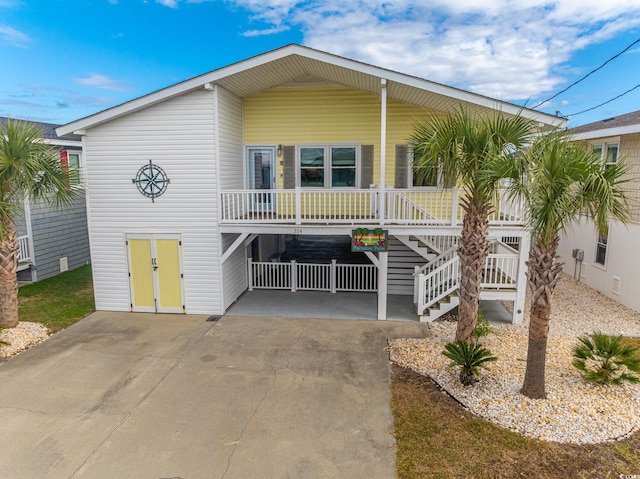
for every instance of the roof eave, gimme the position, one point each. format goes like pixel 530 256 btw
pixel 608 132
pixel 211 77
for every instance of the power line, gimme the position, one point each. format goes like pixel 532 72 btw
pixel 604 103
pixel 587 75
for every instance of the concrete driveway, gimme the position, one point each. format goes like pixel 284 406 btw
pixel 166 396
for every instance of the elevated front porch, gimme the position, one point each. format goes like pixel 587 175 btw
pixel 436 208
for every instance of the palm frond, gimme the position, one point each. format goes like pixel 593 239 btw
pixel 29 168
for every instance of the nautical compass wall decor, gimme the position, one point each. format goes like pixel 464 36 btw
pixel 151 181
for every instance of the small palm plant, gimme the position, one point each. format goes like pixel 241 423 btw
pixel 470 358
pixel 604 359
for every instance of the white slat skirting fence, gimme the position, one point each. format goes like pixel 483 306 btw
pixel 296 276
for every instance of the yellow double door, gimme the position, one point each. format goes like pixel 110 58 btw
pixel 155 273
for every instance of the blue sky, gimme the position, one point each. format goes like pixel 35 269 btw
pixel 63 60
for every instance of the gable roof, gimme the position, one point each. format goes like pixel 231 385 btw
pixel 48 132
pixel 295 62
pixel 614 126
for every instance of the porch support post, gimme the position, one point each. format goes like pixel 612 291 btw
pixel 250 274
pixel 383 260
pixel 454 205
pixel 383 149
pixel 372 257
pixel 521 280
pixel 294 275
pixel 333 272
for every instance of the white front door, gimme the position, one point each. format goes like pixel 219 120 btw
pixel 261 176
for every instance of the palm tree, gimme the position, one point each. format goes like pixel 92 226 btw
pixel 455 150
pixel 28 169
pixel 561 181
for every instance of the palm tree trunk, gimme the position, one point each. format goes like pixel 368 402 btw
pixel 544 273
pixel 472 251
pixel 9 248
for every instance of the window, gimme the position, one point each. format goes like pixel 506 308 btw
pixel 74 168
pixel 328 166
pixel 607 151
pixel 419 177
pixel 343 166
pixel 597 151
pixel 601 249
pixel 611 155
pixel 312 167
pixel 70 163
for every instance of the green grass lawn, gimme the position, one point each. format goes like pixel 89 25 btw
pixel 58 302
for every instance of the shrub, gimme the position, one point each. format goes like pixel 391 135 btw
pixel 470 358
pixel 604 359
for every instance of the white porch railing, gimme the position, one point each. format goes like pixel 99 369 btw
pixel 355 206
pixel 499 273
pixel 301 205
pixel 296 276
pixel 24 254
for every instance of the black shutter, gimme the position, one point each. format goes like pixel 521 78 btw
pixel 366 166
pixel 289 163
pixel 402 161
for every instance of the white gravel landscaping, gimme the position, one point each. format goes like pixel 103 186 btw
pixel 22 337
pixel 574 411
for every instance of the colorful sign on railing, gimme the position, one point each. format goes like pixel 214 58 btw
pixel 366 239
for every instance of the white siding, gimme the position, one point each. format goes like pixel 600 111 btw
pixel 234 272
pixel 230 166
pixel 622 260
pixel 178 135
pixel 230 142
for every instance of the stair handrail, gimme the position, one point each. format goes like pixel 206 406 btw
pixel 435 262
pixel 430 285
pixel 410 202
pixel 437 242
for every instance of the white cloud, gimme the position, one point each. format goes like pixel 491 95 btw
pixel 504 49
pixel 168 3
pixel 263 32
pixel 102 82
pixel 14 37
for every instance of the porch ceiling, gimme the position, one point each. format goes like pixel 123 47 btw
pixel 400 87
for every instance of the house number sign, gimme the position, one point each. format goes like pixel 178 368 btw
pixel 151 181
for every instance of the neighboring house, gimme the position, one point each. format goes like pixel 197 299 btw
pixel 610 263
pixel 192 188
pixel 54 240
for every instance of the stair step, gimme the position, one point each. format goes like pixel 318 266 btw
pixel 443 307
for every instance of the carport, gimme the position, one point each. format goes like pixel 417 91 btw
pixel 321 304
